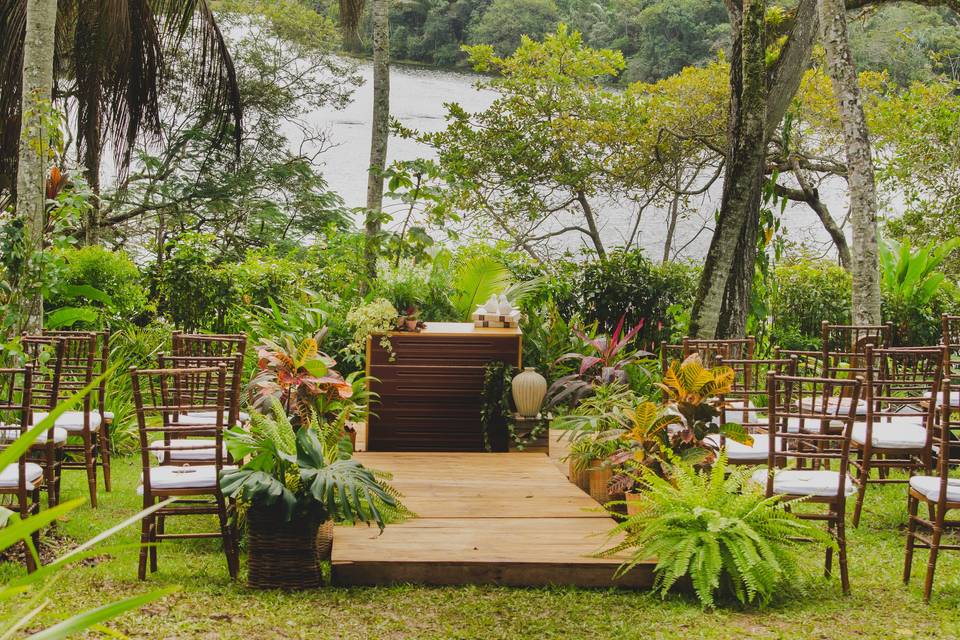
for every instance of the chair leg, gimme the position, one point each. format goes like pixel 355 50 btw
pixel 226 530
pixel 90 461
pixel 104 442
pixel 145 527
pixel 828 556
pixel 913 504
pixel 842 554
pixel 50 474
pixel 862 481
pixel 932 562
pixel 153 547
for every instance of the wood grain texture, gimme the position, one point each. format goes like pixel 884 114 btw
pixel 506 519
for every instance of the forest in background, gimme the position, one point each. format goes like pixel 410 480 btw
pixel 658 38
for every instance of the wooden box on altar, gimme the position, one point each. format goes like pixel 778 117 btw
pixel 431 391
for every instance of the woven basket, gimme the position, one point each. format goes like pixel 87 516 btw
pixel 579 478
pixel 599 479
pixel 633 503
pixel 286 555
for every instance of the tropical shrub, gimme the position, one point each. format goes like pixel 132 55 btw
pixel 112 273
pixel 805 294
pixel 712 528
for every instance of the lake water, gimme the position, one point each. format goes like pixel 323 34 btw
pixel 417 97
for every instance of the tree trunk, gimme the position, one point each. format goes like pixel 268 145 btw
pixel 591 225
pixel 38 51
pixel 720 309
pixel 864 263
pixel 91 163
pixel 380 132
pixel 673 214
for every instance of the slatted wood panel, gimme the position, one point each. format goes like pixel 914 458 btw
pixel 429 392
pixel 508 519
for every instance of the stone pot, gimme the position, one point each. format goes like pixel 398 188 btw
pixel 528 389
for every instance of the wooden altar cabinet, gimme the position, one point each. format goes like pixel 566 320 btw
pixel 430 392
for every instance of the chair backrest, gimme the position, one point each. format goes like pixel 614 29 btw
pixel 943 434
pixel 101 357
pixel 852 339
pixel 809 363
pixel 208 344
pixel 710 349
pixel 165 400
pixel 45 355
pixel 234 364
pixel 951 342
pixel 903 382
pixel 747 400
pixel 16 385
pixel 669 353
pixel 796 402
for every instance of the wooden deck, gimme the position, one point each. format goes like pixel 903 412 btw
pixel 483 518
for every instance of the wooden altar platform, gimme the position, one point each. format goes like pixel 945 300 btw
pixel 483 518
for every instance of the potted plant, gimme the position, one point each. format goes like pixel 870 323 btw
pixel 294 485
pixel 377 317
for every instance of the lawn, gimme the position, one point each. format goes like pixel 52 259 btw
pixel 209 605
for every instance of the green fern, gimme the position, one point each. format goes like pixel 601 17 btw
pixel 713 528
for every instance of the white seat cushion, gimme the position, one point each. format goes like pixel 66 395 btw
pixel 10 476
pixel 899 433
pixel 841 405
pixel 170 478
pixel 954 398
pixel 740 453
pixel 59 435
pixel 804 482
pixel 210 417
pixel 70 420
pixel 189 453
pixel 930 487
pixel 108 416
pixel 735 413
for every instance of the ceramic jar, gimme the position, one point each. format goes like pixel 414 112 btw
pixel 529 389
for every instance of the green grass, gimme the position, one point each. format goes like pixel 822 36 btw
pixel 211 606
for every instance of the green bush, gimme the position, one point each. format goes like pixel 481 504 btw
pixel 111 272
pixel 805 294
pixel 628 283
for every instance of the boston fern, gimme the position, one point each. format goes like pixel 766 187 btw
pixel 708 526
pixel 306 473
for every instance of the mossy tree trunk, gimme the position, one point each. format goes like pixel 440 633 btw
pixel 379 134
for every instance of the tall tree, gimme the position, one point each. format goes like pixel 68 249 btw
pixel 40 19
pixel 865 262
pixel 380 132
pixel 111 60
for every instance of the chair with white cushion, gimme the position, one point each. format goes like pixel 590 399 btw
pixel 44 355
pixel 84 424
pixel 234 417
pixel 939 492
pixel 897 431
pixel 164 399
pixel 105 418
pixel 794 399
pixel 20 481
pixel 745 404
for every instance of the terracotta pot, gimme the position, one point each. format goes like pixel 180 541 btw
pixel 633 502
pixel 579 478
pixel 528 389
pixel 411 324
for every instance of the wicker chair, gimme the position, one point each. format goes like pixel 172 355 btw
pixel 790 441
pixel 165 398
pixel 939 492
pixel 22 481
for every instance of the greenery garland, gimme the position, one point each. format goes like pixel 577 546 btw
pixel 496 408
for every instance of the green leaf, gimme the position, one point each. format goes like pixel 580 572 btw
pixel 85 291
pixel 69 316
pixel 93 617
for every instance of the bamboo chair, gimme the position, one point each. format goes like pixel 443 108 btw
pixel 76 373
pixel 844 348
pixel 786 412
pixel 809 363
pixel 102 359
pixel 940 493
pixel 208 344
pixel 45 354
pixel 951 359
pixel 898 430
pixel 22 481
pixel 191 455
pixel 710 348
pixel 163 398
pixel 746 405
pixel 669 353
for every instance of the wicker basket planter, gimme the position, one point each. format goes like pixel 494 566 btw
pixel 579 478
pixel 633 502
pixel 600 477
pixel 286 555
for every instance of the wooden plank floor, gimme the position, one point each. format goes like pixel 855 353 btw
pixel 482 518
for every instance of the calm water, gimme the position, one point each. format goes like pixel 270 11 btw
pixel 417 97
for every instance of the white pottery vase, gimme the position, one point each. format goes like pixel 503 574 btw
pixel 491 306
pixel 528 389
pixel 504 307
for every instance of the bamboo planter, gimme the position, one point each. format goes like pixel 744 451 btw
pixel 286 555
pixel 579 478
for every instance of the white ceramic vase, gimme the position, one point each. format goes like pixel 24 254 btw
pixel 491 306
pixel 504 307
pixel 528 389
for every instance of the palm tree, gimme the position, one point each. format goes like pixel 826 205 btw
pixel 110 60
pixel 350 14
